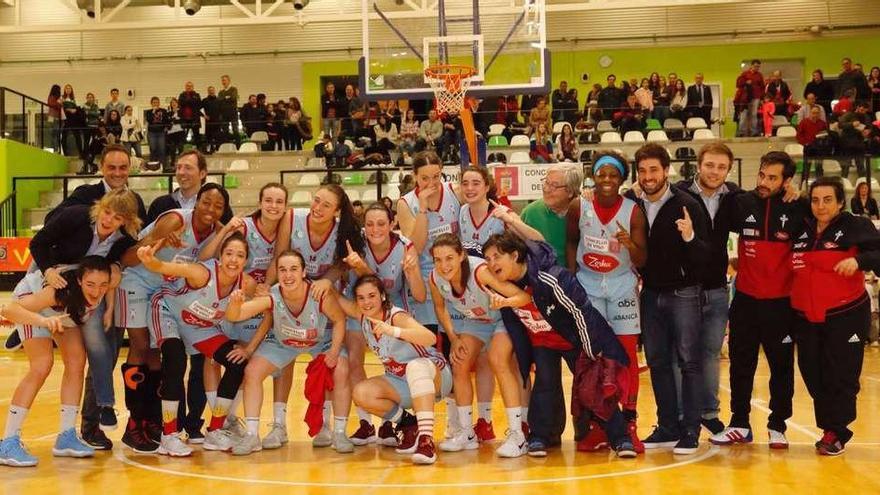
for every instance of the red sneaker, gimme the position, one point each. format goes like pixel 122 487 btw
pixel 638 446
pixel 407 442
pixel 595 440
pixel 425 452
pixel 387 436
pixel 484 430
pixel 365 434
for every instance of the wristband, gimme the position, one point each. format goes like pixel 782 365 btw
pixel 395 332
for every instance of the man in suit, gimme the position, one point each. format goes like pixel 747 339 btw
pixel 699 98
pixel 191 170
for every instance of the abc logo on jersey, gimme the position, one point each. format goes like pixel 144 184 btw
pixel 626 303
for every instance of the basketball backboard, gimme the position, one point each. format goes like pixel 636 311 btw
pixel 504 40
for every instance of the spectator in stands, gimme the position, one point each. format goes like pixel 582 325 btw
pixel 191 112
pixel 823 90
pixel 253 116
pixel 844 104
pixel 593 95
pixel 228 97
pixel 662 99
pixel 566 145
pixel 430 132
pixel 357 207
pixel 214 129
pixel 768 111
pixel 113 104
pixel 514 126
pixel 274 127
pixel 654 82
pixel 540 115
pixel 54 104
pixel 297 121
pixel 586 126
pixel 630 117
pixel 852 140
pixel 452 132
pixel 174 137
pixel 862 203
pixel 874 86
pixel 92 113
pixel 96 148
pixel 132 132
pixel 190 173
pixel 699 98
pixel 540 146
pixel 528 103
pixel 564 104
pixel 778 89
pixel 409 133
pixel 749 93
pixel 393 113
pixel 386 134
pixel 679 100
pixel 645 96
pixel 114 127
pixel 328 101
pixel 158 121
pixel 356 112
pixel 611 97
pixel 807 108
pixel 808 130
pixel 74 122
pixel 851 78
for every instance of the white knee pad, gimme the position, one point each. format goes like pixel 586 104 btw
pixel 420 375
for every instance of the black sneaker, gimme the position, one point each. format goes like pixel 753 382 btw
pixel 107 419
pixel 137 440
pixel 714 425
pixel 537 448
pixel 625 450
pixel 661 438
pixel 830 444
pixel 688 444
pixel 13 342
pixel 581 426
pixel 195 436
pixel 153 430
pixel 96 439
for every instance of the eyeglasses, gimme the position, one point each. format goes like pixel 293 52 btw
pixel 550 187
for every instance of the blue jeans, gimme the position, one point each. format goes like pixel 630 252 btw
pixel 672 322
pixel 715 306
pixel 547 404
pixel 157 146
pixel 101 352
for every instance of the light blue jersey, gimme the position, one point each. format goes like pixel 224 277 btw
pixel 319 259
pixel 389 269
pixel 395 353
pixel 470 310
pixel 31 284
pixel 305 328
pixel 260 251
pixel 473 234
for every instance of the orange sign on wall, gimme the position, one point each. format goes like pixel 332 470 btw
pixel 15 255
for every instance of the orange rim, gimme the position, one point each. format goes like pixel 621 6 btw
pixel 450 74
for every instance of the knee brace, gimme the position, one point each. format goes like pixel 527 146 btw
pixel 133 376
pixel 173 369
pixel 420 375
pixel 233 373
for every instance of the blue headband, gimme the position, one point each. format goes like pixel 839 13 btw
pixel 609 160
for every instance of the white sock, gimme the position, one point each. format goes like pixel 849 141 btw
pixel 68 416
pixel 253 426
pixel 364 416
pixel 328 406
pixel 340 423
pixel 484 409
pixel 14 419
pixel 280 411
pixel 525 413
pixel 233 407
pixel 514 419
pixel 396 416
pixel 426 422
pixel 222 407
pixel 451 414
pixel 466 417
pixel 212 398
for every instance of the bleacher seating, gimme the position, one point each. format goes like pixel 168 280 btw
pixel 786 131
pixel 248 148
pixel 610 137
pixel 239 166
pixel 633 137
pixel 520 157
pixel 657 136
pixel 519 140
pixel 260 137
pixel 703 135
pixel 496 129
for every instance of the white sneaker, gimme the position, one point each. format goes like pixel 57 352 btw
pixel 464 440
pixel 341 443
pixel 777 439
pixel 732 435
pixel 324 438
pixel 276 438
pixel 235 426
pixel 514 445
pixel 248 444
pixel 221 440
pixel 451 431
pixel 173 445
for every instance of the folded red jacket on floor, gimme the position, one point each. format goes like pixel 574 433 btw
pixel 319 380
pixel 598 386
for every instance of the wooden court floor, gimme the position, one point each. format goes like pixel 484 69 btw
pixel 738 470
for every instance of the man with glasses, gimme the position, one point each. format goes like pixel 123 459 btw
pixel 548 215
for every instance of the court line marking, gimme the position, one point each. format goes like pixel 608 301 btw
pixel 712 451
pixel 759 404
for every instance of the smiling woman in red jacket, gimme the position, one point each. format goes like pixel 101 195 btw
pixel 833 310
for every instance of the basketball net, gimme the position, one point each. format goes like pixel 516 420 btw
pixel 450 83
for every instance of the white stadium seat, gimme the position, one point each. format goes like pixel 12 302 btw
pixel 794 150
pixel 496 129
pixel 695 123
pixel 557 127
pixel 249 148
pixel 610 137
pixel 301 198
pixel 520 140
pixel 657 137
pixel 703 135
pixel 309 180
pixel 604 126
pixel 239 166
pixel 633 137
pixel 227 148
pixel 786 131
pixel 779 121
pixel 260 137
pixel 520 157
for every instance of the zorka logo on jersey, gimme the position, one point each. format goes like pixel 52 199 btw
pixel 600 263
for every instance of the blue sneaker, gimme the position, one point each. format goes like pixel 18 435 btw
pixel 69 445
pixel 537 448
pixel 13 453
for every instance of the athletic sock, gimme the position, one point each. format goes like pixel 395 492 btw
pixel 426 422
pixel 514 419
pixel 169 417
pixel 525 413
pixel 340 423
pixel 484 409
pixel 14 420
pixel 68 416
pixel 395 415
pixel 219 413
pixel 466 417
pixel 451 414
pixel 212 398
pixel 253 426
pixel 279 410
pixel 328 406
pixel 364 416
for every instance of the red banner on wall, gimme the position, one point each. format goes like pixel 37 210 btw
pixel 15 255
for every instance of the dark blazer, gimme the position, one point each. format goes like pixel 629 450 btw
pixel 855 206
pixel 66 238
pixel 694 96
pixel 89 194
pixel 167 202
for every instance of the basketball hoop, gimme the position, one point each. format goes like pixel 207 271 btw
pixel 450 83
